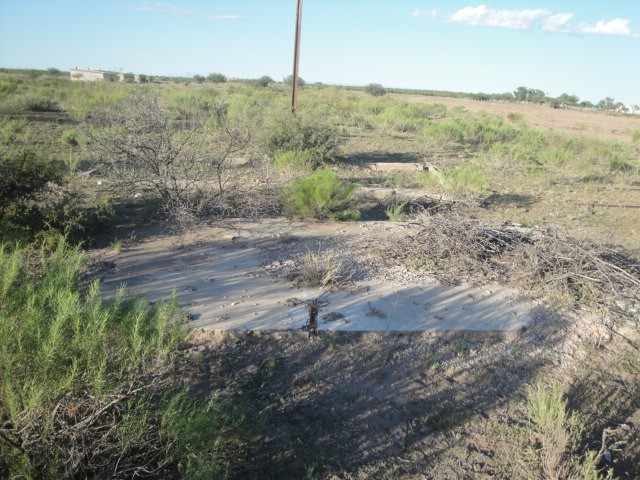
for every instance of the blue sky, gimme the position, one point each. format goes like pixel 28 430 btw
pixel 584 47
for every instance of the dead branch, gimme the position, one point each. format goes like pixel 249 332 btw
pixel 551 260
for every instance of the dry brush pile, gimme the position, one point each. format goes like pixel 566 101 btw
pixel 549 261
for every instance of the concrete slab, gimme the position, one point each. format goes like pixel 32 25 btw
pixel 222 284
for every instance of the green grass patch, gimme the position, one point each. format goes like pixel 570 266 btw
pixel 462 181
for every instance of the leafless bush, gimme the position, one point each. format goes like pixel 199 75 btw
pixel 89 434
pixel 551 260
pixel 187 157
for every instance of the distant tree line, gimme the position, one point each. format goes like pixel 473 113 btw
pixel 521 94
pixel 533 95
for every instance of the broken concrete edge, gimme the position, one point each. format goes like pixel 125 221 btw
pixel 199 335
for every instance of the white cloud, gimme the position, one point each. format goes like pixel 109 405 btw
pixel 558 22
pixel 526 19
pixel 617 26
pixel 483 15
pixel 164 8
pixel 222 18
pixel 433 13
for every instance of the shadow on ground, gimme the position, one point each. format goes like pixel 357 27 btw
pixel 365 404
pixel 502 199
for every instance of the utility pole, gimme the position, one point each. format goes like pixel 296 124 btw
pixel 296 58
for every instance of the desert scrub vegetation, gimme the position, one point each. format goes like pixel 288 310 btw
pixel 320 268
pixel 396 211
pixel 464 181
pixel 181 155
pixel 89 387
pixel 375 90
pixel 547 445
pixel 38 195
pixel 302 132
pixel 290 163
pixel 321 195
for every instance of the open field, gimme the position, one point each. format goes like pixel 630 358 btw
pixel 474 268
pixel 574 121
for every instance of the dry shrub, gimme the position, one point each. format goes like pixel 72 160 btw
pixel 550 261
pixel 320 269
pixel 189 157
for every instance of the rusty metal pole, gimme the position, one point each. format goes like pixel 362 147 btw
pixel 296 58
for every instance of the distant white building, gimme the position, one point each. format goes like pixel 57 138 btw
pixel 88 75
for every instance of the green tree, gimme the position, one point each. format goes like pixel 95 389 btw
pixel 216 78
pixel 264 81
pixel 288 80
pixel 568 99
pixel 375 89
pixel 524 94
pixel 609 103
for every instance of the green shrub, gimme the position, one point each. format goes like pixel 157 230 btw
pixel 24 174
pixel 321 195
pixel 618 164
pixel 375 89
pixel 8 87
pixel 396 211
pixel 85 390
pixel 635 136
pixel 303 132
pixel 547 445
pixel 40 104
pixel 11 130
pixel 216 78
pixel 70 137
pixel 516 117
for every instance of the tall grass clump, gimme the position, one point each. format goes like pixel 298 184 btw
pixel 87 387
pixel 320 195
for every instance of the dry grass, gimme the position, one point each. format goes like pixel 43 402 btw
pixel 320 269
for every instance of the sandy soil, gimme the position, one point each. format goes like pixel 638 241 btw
pixel 618 127
pixel 246 276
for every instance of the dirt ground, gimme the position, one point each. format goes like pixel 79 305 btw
pixel 357 405
pixel 603 125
